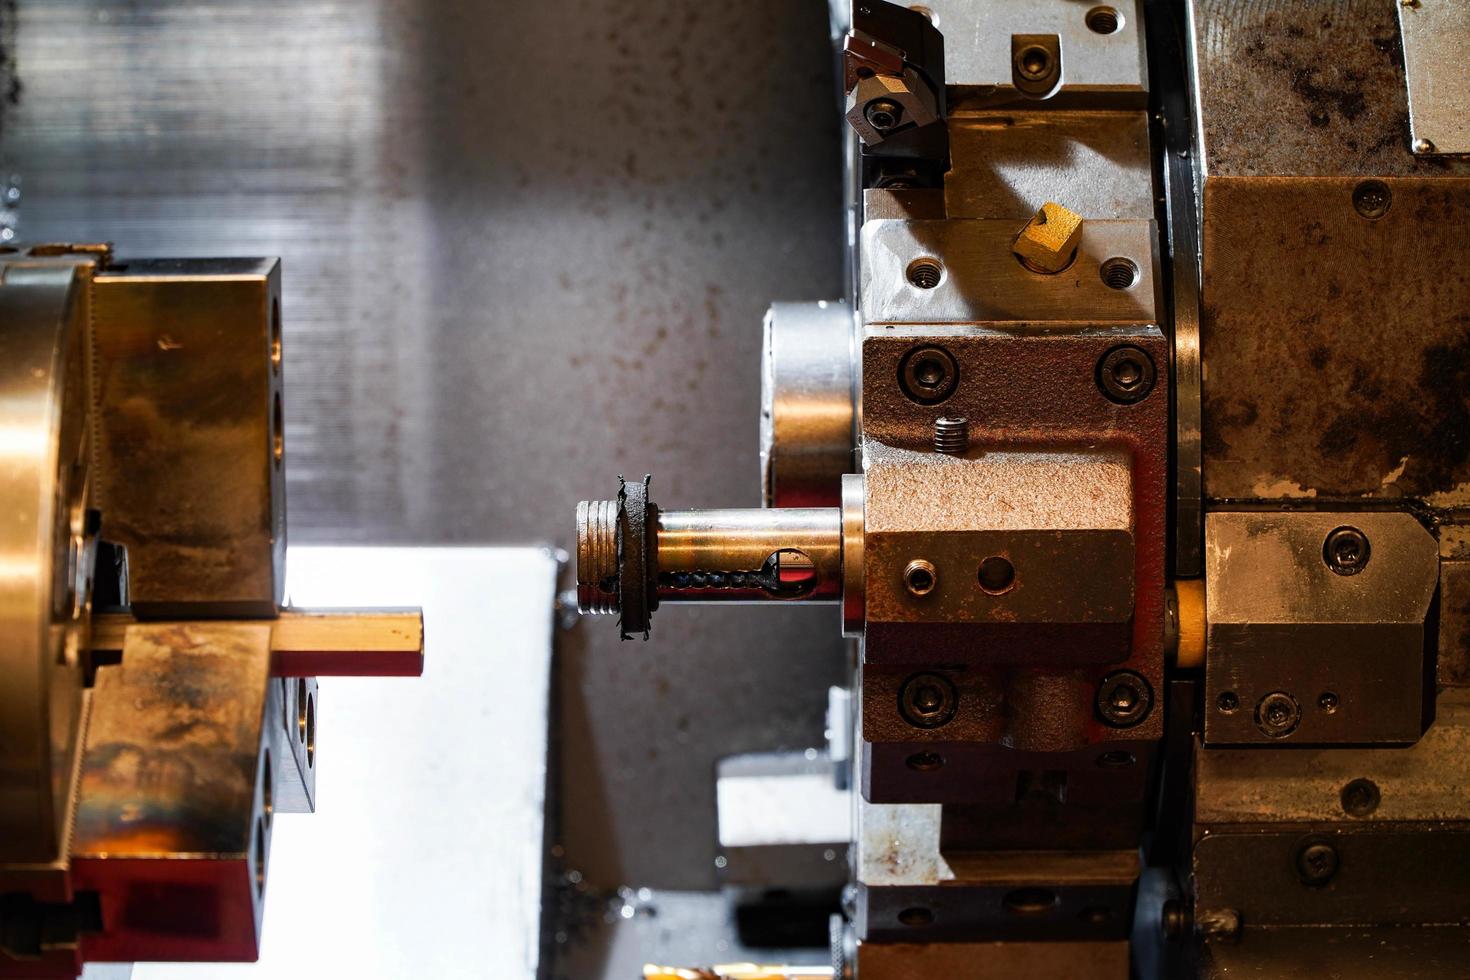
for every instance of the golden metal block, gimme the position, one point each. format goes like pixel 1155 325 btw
pixel 320 642
pixel 186 379
pixel 1049 241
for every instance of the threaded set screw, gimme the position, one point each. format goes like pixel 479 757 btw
pixel 951 436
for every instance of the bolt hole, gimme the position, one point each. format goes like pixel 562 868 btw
pixel 1328 702
pixel 916 916
pixel 1034 63
pixel 1104 20
pixel 310 731
pixel 1117 759
pixel 260 857
pixel 278 432
pixel 1372 199
pixel 919 576
pixel 997 575
pixel 1030 901
pixel 267 790
pixel 1360 797
pixel 276 334
pixel 1119 273
pixel 925 761
pixel 1227 702
pixel 925 273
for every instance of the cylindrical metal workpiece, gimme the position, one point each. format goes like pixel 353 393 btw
pixel 631 556
pixel 749 555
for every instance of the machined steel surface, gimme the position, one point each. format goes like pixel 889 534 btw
pixel 1436 34
pixel 1101 60
pixel 982 282
pixel 1009 163
pixel 808 380
pixel 1343 653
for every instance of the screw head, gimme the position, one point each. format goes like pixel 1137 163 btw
pixel 1423 145
pixel 1278 714
pixel 928 700
pixel 1316 862
pixel 883 114
pixel 928 375
pixel 1346 551
pixel 1360 797
pixel 1372 199
pixel 1124 699
pixel 1126 375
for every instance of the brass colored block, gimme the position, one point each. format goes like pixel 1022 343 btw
pixel 1049 241
pixel 186 377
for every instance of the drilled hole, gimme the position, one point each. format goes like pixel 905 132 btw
pixel 276 335
pixel 1030 901
pixel 925 761
pixel 925 273
pixel 1104 20
pixel 1119 273
pixel 916 916
pixel 1227 702
pixel 278 432
pixel 260 856
pixel 310 731
pixel 1116 759
pixel 267 790
pixel 997 575
pixel 919 576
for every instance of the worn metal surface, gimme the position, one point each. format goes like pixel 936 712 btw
pixel 808 382
pixel 1256 872
pixel 442 274
pixel 44 590
pixel 1338 347
pixel 1271 102
pixel 1298 285
pixel 1425 782
pixel 189 441
pixel 1385 953
pixel 1436 34
pixel 1064 522
pixel 1453 664
pixel 1095 66
pixel 993 961
pixel 982 282
pixel 175 808
pixel 1348 649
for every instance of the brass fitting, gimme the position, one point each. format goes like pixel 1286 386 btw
pixel 1048 243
